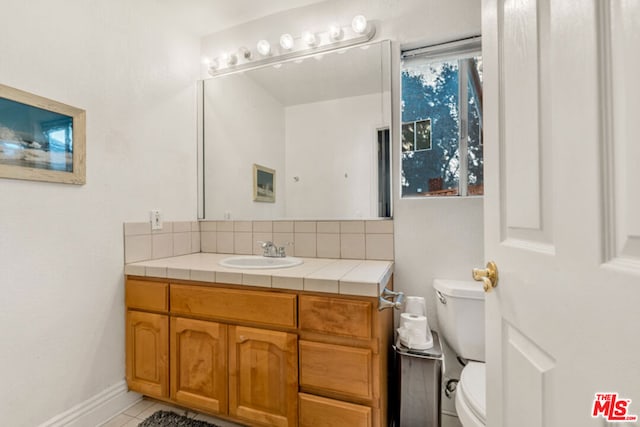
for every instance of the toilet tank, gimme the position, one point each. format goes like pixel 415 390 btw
pixel 461 316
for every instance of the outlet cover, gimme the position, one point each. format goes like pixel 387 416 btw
pixel 156 219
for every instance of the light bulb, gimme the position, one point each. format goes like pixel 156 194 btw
pixel 309 38
pixel 286 41
pixel 264 48
pixel 246 53
pixel 335 32
pixel 213 66
pixel 230 58
pixel 359 24
pixel 206 61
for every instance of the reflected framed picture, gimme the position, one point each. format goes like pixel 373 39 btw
pixel 41 139
pixel 264 184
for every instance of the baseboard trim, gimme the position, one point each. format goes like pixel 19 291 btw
pixel 97 409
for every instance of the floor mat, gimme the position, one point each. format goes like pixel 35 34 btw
pixel 171 419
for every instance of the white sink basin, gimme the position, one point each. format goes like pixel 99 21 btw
pixel 255 261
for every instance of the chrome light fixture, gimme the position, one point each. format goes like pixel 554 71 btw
pixel 335 36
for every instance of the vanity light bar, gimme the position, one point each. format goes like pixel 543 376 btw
pixel 289 47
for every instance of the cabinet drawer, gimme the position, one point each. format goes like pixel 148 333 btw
pixel 143 295
pixel 338 316
pixel 322 412
pixel 336 368
pixel 265 308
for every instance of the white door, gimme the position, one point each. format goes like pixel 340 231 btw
pixel 562 210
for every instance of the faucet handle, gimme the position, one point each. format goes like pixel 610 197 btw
pixel 282 250
pixel 268 248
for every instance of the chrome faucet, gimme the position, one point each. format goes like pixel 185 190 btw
pixel 269 249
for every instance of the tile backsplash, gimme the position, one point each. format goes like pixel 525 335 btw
pixel 354 239
pixel 176 238
pixel 357 239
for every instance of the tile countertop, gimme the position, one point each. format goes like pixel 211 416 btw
pixel 339 276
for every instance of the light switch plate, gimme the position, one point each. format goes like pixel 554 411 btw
pixel 156 219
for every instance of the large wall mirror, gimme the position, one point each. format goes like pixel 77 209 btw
pixel 322 125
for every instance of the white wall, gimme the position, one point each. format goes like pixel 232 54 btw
pixel 61 247
pixel 247 127
pixel 320 156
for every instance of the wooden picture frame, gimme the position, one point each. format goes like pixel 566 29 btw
pixel 41 139
pixel 264 184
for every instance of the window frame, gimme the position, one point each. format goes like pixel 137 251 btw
pixel 455 50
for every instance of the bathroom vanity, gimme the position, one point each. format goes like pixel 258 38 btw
pixel 301 346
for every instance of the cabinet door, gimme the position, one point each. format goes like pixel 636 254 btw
pixel 147 353
pixel 263 376
pixel 199 364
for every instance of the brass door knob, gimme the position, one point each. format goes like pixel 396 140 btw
pixel 488 276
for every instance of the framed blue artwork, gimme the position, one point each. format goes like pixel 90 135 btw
pixel 41 139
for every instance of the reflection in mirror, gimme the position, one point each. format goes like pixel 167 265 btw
pixel 320 122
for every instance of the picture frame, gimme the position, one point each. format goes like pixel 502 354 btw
pixel 41 139
pixel 264 184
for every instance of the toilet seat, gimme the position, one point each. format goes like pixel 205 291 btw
pixel 471 395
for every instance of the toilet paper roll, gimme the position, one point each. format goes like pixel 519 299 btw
pixel 414 332
pixel 415 305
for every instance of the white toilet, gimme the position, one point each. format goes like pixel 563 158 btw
pixel 461 317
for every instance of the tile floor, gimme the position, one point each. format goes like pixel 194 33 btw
pixel 137 413
pixel 144 408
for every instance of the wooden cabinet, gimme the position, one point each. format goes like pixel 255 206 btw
pixel 147 349
pixel 344 351
pixel 262 358
pixel 263 376
pixel 199 364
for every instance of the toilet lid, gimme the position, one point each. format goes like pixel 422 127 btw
pixel 473 387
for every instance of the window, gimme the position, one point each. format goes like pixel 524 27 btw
pixel 442 120
pixel 416 135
